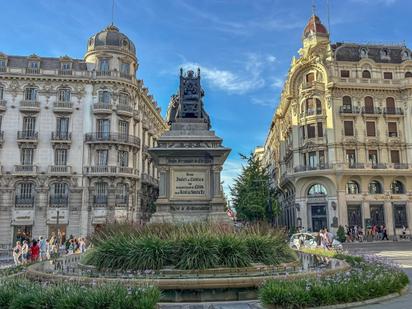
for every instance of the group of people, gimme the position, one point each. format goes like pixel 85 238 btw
pixel 29 251
pixel 373 232
pixel 325 238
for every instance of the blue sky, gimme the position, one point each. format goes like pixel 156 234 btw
pixel 243 47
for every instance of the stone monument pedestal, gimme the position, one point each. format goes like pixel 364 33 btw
pixel 189 158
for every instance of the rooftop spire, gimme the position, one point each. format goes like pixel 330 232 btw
pixel 112 12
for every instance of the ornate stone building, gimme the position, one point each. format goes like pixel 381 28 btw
pixel 74 139
pixel 339 148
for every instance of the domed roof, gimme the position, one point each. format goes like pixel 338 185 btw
pixel 111 37
pixel 314 26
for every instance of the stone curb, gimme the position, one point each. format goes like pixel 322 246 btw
pixel 367 302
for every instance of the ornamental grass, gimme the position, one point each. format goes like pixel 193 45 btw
pixel 368 278
pixel 21 293
pixel 186 246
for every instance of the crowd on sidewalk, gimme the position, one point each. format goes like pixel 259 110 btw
pixel 30 251
pixel 373 232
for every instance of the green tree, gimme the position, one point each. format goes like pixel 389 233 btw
pixel 251 194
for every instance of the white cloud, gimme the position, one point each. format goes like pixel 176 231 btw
pixel 248 78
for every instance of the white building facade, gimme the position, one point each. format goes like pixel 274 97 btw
pixel 74 136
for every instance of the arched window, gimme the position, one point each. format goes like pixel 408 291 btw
pixel 25 193
pixel 408 74
pixel 366 74
pixel 123 98
pixel 347 104
pixel 390 105
pixel 310 107
pixel 369 108
pixel 122 193
pixel 352 187
pixel 310 77
pixel 397 187
pixel 105 97
pixel 317 190
pixel 101 192
pixel 375 187
pixel 318 107
pixel 59 194
pixel 30 94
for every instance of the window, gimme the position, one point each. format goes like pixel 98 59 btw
pixel 26 156
pixel 387 75
pixel 122 193
pixel 347 104
pixel 344 73
pixel 351 157
pixel 310 108
pixel 30 94
pixel 125 68
pixel 318 107
pixel 370 128
pixel 29 125
pixel 369 108
pixel 348 128
pixel 317 190
pixel 123 128
pixel 34 64
pixel 1 93
pixel 66 66
pixel 105 97
pixel 366 74
pixel 123 158
pixel 101 189
pixel 320 129
pixel 375 187
pixel 377 215
pixel 102 157
pixel 311 131
pixel 104 65
pixel 2 63
pixel 400 216
pixel 310 77
pixel 390 105
pixel 64 95
pixel 397 187
pixel 322 159
pixel 392 129
pixel 123 98
pixel 62 127
pixel 103 128
pixel 373 157
pixel 60 157
pixel 408 74
pixel 395 158
pixel 60 189
pixel 25 190
pixel 313 159
pixel 352 187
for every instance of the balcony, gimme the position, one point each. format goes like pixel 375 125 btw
pixel 304 168
pixel 33 71
pixel 356 165
pixel 63 107
pixel 65 72
pixel 124 110
pixel 110 170
pixel 103 73
pixel 102 108
pixel 27 136
pixel 122 200
pixel 314 85
pixel 24 201
pixel 393 111
pixel 110 137
pixel 125 75
pixel 29 106
pixel 3 105
pixel 60 169
pixel 61 137
pixel 100 201
pixel 25 169
pixel 373 111
pixel 59 201
pixel 350 110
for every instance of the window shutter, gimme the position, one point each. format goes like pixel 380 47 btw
pixel 348 125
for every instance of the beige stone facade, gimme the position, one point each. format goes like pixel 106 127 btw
pixel 74 139
pixel 339 148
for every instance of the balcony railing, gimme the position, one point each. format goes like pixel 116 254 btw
pixel 112 137
pixel 61 136
pixel 399 166
pixel 124 108
pixel 393 111
pixel 122 200
pixel 59 200
pixel 356 165
pixel 100 200
pixel 303 168
pixel 30 105
pixel 110 169
pixel 60 169
pixel 378 165
pixel 27 135
pixel 102 107
pixel 349 109
pixel 371 110
pixel 393 134
pixel 32 70
pixel 65 72
pixel 25 168
pixel 62 105
pixel 125 75
pixel 104 73
pixel 24 201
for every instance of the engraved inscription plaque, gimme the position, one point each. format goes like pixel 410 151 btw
pixel 189 184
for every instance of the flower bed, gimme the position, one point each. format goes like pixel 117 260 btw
pixel 369 277
pixel 21 293
pixel 189 246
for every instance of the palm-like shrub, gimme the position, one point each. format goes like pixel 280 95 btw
pixel 197 252
pixel 232 251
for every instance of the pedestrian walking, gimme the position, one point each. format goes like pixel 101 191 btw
pixel 17 253
pixel 25 252
pixel 384 233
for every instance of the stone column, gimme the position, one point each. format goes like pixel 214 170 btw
pixel 409 214
pixel 366 212
pixel 388 209
pixel 6 206
pixel 40 213
pixel 342 208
